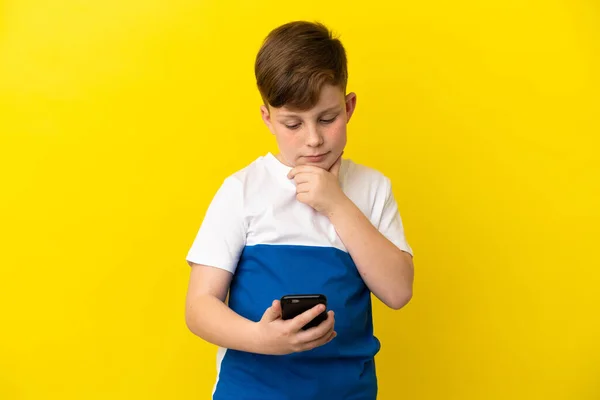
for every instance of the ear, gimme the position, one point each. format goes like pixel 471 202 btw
pixel 266 117
pixel 350 105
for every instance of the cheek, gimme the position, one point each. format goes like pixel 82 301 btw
pixel 288 141
pixel 337 132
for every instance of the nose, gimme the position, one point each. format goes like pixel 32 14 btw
pixel 314 137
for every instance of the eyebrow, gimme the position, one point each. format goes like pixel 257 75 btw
pixel 327 110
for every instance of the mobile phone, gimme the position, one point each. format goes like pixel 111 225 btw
pixel 295 304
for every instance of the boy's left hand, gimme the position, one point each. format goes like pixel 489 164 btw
pixel 318 187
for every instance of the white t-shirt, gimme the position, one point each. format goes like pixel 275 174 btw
pixel 257 205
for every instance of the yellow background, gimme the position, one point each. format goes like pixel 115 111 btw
pixel 119 120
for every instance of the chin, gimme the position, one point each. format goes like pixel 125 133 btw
pixel 325 164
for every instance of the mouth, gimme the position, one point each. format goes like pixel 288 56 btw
pixel 317 157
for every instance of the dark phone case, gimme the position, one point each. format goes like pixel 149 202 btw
pixel 294 305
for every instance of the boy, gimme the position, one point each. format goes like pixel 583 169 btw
pixel 303 221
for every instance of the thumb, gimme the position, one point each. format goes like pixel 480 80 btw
pixel 272 313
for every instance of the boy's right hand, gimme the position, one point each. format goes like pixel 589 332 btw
pixel 277 336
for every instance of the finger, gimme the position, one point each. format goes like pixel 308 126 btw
pixel 303 198
pixel 301 169
pixel 276 308
pixel 333 336
pixel 320 341
pixel 303 188
pixel 335 168
pixel 319 331
pixel 302 177
pixel 299 321
pixel 272 313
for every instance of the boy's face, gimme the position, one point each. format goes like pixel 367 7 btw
pixel 313 137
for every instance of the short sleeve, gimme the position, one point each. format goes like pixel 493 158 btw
pixel 390 223
pixel 222 234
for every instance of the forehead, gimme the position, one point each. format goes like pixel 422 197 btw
pixel 329 97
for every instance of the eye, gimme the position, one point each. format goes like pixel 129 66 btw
pixel 292 127
pixel 328 121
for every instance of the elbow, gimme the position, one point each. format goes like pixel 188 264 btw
pixel 401 295
pixel 190 322
pixel 192 318
pixel 195 327
pixel 399 299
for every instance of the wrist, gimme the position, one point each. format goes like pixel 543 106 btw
pixel 339 207
pixel 255 338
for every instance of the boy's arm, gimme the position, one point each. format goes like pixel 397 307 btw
pixel 207 315
pixel 386 269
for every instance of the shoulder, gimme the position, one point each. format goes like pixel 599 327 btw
pixel 250 172
pixel 367 187
pixel 365 177
pixel 245 181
